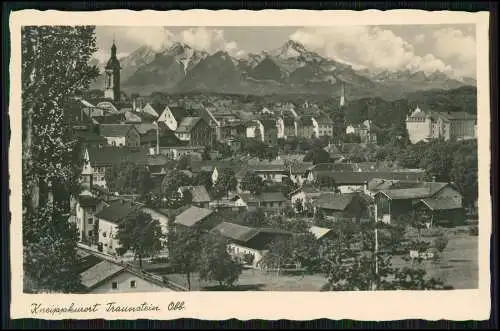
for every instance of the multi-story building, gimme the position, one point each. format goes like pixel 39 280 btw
pixel 98 160
pixel 423 126
pixel 195 131
pixel 308 127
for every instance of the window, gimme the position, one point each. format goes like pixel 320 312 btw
pixel 114 285
pixel 91 220
pixel 90 233
pixel 132 284
pixel 104 234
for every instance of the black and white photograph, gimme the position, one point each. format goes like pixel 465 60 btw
pixel 226 158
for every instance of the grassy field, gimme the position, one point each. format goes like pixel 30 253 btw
pixel 256 280
pixel 457 267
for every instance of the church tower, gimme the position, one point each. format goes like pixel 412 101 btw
pixel 112 79
pixel 342 94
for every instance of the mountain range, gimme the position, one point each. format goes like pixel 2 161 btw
pixel 291 68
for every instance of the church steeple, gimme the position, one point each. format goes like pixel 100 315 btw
pixel 112 83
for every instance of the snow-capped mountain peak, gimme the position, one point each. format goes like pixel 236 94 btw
pixel 290 49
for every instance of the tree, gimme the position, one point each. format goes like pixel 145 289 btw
pixel 317 155
pixel 253 183
pixel 183 162
pixel 464 173
pixel 206 154
pixel 440 243
pixel 325 181
pixel 184 248
pixel 216 264
pixel 203 178
pixel 226 182
pixel 141 234
pixel 279 253
pixel 299 206
pixel 362 262
pixel 49 245
pixel 55 65
pixel 256 218
pixel 288 186
pixel 173 180
pixel 129 178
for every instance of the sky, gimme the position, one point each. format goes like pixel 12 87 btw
pixel 447 48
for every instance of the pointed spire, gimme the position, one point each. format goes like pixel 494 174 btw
pixel 113 47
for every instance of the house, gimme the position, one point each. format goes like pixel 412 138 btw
pixel 272 171
pixel 110 277
pixel 120 135
pixel 325 126
pixel 333 151
pixel 298 171
pixel 177 152
pixel 255 129
pixel 199 195
pixel 90 138
pixel 109 218
pixel 392 203
pixel 357 181
pixel 289 126
pixel 425 125
pixel 87 205
pixel 150 133
pixel 161 216
pixel 268 200
pixel 365 131
pixel 167 117
pixel 441 211
pixel 196 217
pixel 148 109
pixel 231 130
pixel 97 160
pixel 215 167
pixel 248 244
pixel 305 194
pixel 196 131
pixel 235 203
pixel 270 130
pixel 307 127
pixel 342 206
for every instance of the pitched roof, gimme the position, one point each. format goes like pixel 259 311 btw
pixel 306 120
pixel 235 231
pixel 272 197
pixel 99 273
pixel 266 166
pixel 199 193
pixel 187 124
pixel 377 184
pixel 335 201
pixel 179 113
pixel 87 200
pixel 428 189
pixel 89 136
pixel 319 232
pixel 117 211
pixel 110 155
pixel 192 216
pixel 360 178
pixel 114 130
pixel 144 128
pixel 441 203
